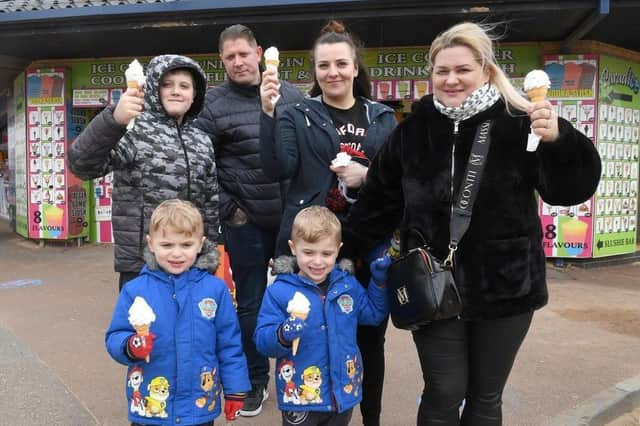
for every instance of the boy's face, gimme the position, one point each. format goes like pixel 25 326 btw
pixel 316 260
pixel 174 251
pixel 177 93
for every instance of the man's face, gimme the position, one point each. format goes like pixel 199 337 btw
pixel 241 61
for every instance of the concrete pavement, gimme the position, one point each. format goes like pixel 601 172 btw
pixel 54 369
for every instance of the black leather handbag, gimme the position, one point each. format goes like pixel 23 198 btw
pixel 420 290
pixel 420 287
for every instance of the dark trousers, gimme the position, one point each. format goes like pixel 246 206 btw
pixel 468 360
pixel 250 249
pixel 316 418
pixel 125 277
pixel 371 343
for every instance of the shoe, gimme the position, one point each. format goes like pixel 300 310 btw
pixel 253 401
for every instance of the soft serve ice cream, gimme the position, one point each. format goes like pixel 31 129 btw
pixel 298 307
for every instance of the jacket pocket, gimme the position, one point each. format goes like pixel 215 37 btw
pixel 505 269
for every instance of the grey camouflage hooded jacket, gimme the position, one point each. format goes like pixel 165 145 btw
pixel 156 160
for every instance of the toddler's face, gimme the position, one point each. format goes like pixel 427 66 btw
pixel 316 260
pixel 174 250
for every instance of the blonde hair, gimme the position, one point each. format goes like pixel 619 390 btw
pixel 477 38
pixel 313 223
pixel 181 215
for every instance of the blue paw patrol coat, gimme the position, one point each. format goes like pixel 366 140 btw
pixel 197 351
pixel 326 373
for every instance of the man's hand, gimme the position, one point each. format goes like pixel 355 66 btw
pixel 269 89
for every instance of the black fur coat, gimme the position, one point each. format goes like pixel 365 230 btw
pixel 500 263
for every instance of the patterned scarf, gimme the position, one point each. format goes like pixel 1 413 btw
pixel 481 99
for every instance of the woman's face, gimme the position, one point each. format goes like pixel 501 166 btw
pixel 456 74
pixel 335 71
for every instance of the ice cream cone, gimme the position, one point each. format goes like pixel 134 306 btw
pixel 133 84
pixel 296 342
pixel 274 63
pixel 143 329
pixel 537 94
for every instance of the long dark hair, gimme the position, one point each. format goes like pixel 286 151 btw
pixel 335 32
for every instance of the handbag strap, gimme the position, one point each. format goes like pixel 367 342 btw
pixel 461 211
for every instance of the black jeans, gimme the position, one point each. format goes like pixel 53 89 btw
pixel 316 418
pixel 371 343
pixel 250 249
pixel 468 360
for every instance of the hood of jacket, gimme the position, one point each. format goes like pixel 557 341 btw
pixel 162 64
pixel 287 265
pixel 208 259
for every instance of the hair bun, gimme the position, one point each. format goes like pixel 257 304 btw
pixel 333 26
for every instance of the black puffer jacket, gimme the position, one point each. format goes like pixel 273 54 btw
pixel 231 117
pixel 156 160
pixel 500 263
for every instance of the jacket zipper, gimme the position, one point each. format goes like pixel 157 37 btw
pixel 456 124
pixel 186 161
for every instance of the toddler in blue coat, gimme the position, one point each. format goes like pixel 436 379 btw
pixel 308 321
pixel 176 329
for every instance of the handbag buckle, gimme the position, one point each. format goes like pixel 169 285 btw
pixel 448 262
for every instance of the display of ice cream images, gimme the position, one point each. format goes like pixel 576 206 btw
pixel 46 117
pixel 59 149
pixel 141 316
pixel 35 149
pixel 58 117
pixel 272 62
pixel 34 134
pixel 298 307
pixel 34 117
pixel 59 165
pixel 59 199
pixel 59 180
pixel 536 85
pixel 134 75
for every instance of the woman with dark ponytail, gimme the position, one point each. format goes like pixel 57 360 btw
pixel 300 144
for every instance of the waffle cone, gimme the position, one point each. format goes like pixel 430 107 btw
pixel 294 346
pixel 537 94
pixel 302 315
pixel 142 330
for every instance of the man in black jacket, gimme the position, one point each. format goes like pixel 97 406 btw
pixel 250 203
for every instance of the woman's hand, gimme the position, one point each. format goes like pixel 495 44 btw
pixel 544 121
pixel 269 89
pixel 353 174
pixel 129 106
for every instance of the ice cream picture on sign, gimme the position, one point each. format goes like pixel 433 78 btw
pixel 134 74
pixel 298 307
pixel 536 85
pixel 141 316
pixel 272 62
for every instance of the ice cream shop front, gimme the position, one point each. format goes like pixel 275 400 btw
pixel 597 91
